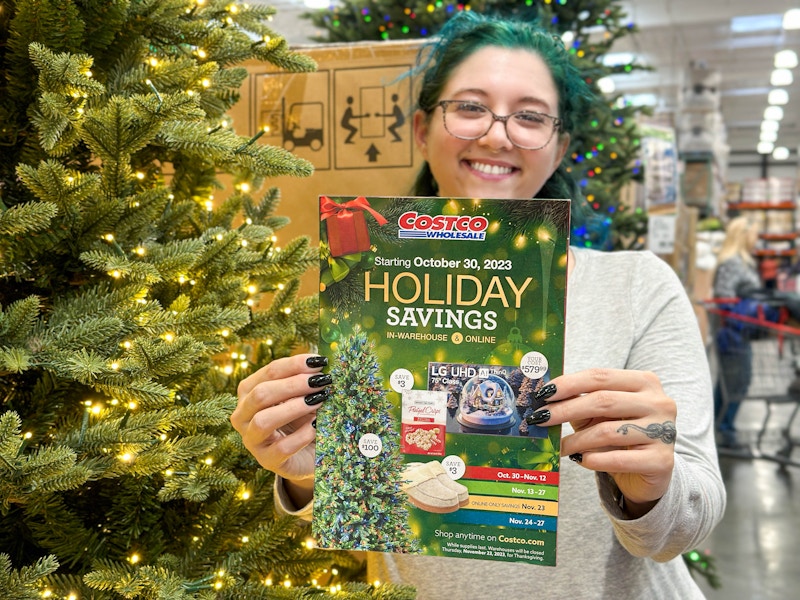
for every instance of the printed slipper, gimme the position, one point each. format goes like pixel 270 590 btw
pixel 436 469
pixel 426 492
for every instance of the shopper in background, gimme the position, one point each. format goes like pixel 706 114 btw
pixel 643 485
pixel 736 277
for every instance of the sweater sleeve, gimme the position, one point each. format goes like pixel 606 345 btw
pixel 284 505
pixel 668 342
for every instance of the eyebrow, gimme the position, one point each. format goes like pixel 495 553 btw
pixel 524 100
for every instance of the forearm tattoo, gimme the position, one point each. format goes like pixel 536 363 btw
pixel 665 431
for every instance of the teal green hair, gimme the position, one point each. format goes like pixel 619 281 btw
pixel 466 33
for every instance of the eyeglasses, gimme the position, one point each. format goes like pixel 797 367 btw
pixel 525 129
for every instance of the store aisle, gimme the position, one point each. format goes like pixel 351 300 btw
pixel 757 544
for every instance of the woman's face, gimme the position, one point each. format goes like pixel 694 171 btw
pixel 505 81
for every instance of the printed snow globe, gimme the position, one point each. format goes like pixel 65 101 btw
pixel 487 403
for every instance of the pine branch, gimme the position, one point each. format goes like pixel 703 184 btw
pixel 23 584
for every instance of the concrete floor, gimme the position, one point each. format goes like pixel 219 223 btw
pixel 756 547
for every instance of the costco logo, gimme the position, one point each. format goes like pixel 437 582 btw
pixel 441 227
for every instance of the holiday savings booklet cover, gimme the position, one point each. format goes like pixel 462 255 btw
pixel 441 318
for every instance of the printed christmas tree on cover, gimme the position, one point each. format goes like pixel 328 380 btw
pixel 441 318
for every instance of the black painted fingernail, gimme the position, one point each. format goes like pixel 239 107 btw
pixel 545 392
pixel 317 361
pixel 317 397
pixel 540 416
pixel 314 423
pixel 320 380
pixel 577 457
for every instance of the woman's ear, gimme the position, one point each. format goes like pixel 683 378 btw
pixel 421 132
pixel 563 145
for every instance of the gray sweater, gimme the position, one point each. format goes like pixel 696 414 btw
pixel 624 310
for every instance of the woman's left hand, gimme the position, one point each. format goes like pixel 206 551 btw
pixel 624 425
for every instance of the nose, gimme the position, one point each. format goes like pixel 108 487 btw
pixel 497 137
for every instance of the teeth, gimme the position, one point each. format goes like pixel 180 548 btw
pixel 491 169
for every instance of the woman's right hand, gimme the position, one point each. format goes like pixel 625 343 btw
pixel 274 415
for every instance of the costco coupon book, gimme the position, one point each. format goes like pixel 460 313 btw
pixel 441 319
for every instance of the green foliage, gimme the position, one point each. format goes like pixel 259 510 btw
pixel 132 303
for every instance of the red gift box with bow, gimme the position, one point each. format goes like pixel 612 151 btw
pixel 346 225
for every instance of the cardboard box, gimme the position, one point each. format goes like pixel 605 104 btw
pixel 351 119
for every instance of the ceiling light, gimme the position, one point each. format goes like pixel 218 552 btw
pixel 753 23
pixel 773 113
pixel 765 147
pixel 606 85
pixel 785 59
pixel 780 153
pixel 768 136
pixel 778 96
pixel 781 77
pixel 770 126
pixel 791 19
pixel 618 59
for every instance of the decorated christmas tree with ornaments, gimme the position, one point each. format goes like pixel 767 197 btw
pixel 142 276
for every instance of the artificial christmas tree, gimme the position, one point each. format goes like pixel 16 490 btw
pixel 132 302
pixel 358 500
pixel 604 155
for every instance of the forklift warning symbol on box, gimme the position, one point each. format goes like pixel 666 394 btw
pixel 344 119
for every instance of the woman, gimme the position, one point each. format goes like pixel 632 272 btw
pixel 735 277
pixel 630 503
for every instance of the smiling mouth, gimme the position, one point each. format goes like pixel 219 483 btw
pixel 490 169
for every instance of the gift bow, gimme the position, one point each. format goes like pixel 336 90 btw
pixel 329 208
